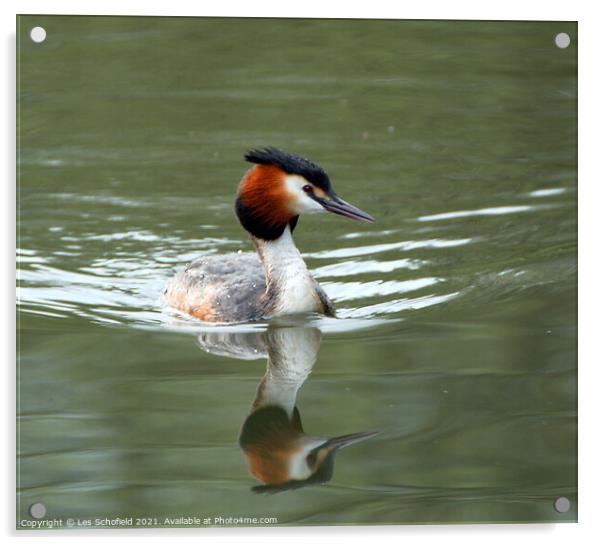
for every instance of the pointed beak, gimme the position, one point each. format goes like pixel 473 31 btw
pixel 337 205
pixel 345 440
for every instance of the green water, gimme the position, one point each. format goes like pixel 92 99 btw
pixel 456 336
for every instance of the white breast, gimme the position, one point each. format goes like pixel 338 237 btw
pixel 294 287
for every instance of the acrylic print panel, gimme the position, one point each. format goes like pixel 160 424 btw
pixel 444 389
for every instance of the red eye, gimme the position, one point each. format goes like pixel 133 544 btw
pixel 308 188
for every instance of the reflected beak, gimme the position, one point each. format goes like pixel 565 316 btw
pixel 345 440
pixel 339 206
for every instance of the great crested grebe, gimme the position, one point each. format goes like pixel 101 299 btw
pixel 273 282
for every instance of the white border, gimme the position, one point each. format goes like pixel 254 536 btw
pixel 590 360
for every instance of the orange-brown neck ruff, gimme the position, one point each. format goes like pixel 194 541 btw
pixel 261 204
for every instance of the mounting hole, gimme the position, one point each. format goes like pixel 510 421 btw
pixel 562 40
pixel 562 504
pixel 37 510
pixel 37 34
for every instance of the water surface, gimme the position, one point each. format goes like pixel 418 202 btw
pixel 456 328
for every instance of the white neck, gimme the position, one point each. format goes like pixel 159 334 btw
pixel 292 352
pixel 290 287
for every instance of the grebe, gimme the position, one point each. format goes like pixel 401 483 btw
pixel 278 451
pixel 273 282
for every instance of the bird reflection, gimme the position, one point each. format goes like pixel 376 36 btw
pixel 278 451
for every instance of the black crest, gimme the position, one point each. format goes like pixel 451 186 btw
pixel 291 164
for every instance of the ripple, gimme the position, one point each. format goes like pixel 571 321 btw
pixel 495 211
pixel 355 267
pixel 547 192
pixel 363 234
pixel 102 199
pixel 406 245
pixel 347 291
pixel 124 286
pixel 28 256
pixel 397 305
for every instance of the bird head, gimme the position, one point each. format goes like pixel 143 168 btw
pixel 282 456
pixel 280 187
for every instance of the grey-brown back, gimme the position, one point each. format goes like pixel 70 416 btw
pixel 220 288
